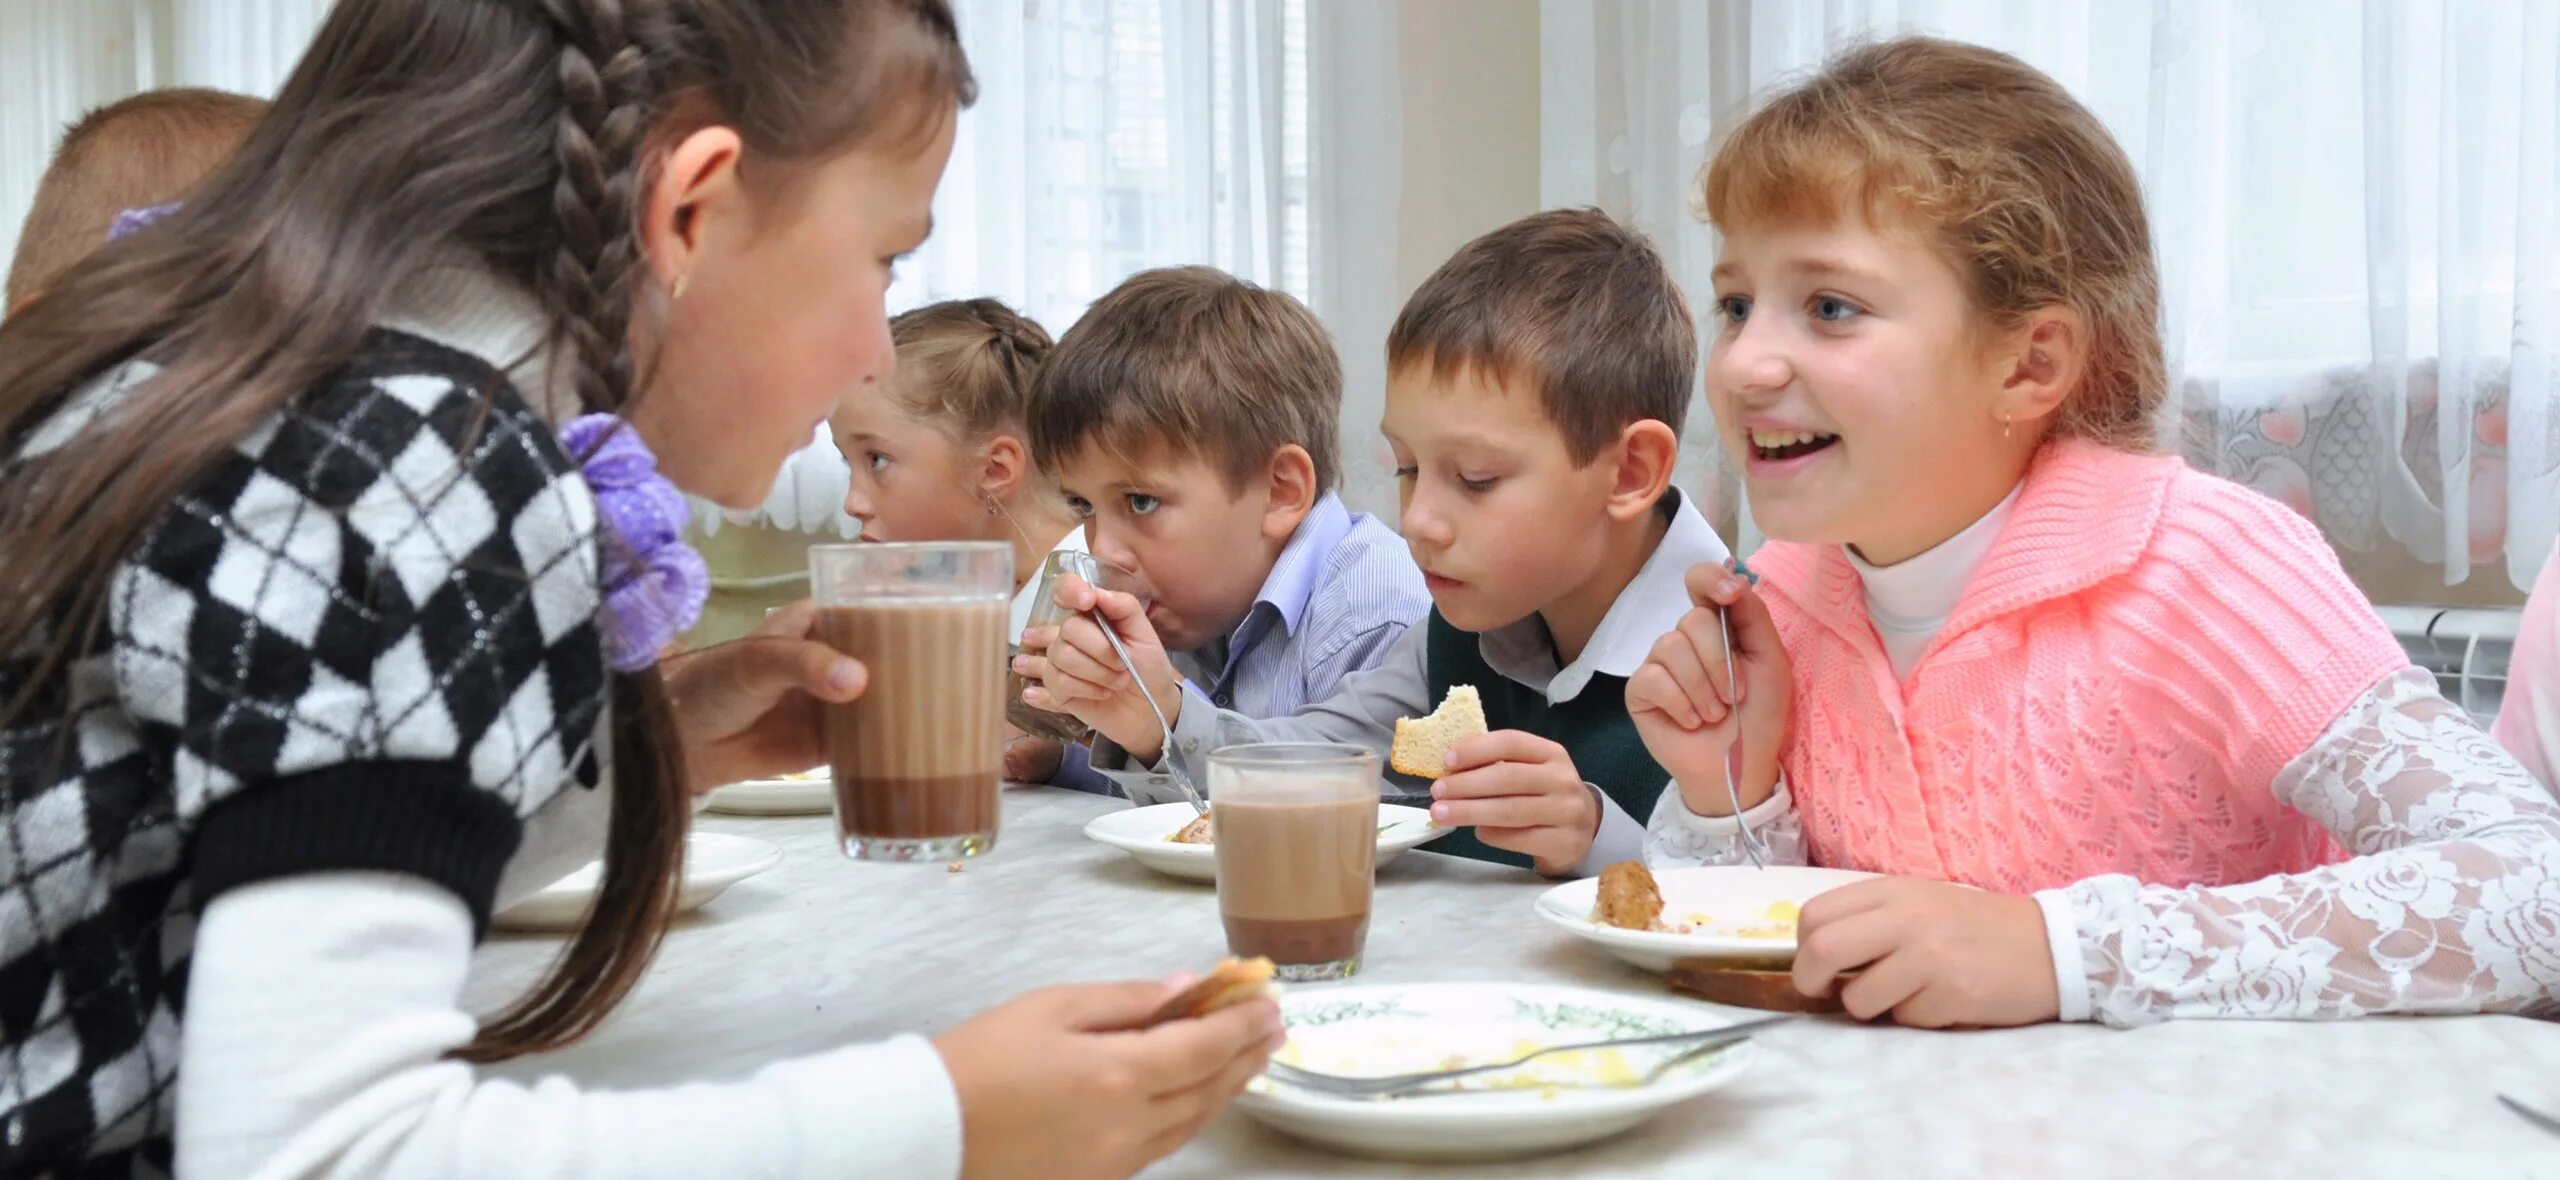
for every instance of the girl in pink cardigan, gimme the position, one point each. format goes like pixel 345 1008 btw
pixel 2125 739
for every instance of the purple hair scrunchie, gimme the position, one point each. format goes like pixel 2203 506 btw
pixel 134 219
pixel 654 583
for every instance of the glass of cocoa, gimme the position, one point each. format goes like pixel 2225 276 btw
pixel 918 757
pixel 1097 573
pixel 1295 825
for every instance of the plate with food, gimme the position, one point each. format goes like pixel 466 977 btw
pixel 1733 913
pixel 810 792
pixel 1174 840
pixel 1553 1102
pixel 713 862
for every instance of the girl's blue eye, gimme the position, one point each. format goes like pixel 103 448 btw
pixel 878 461
pixel 1833 310
pixel 1140 503
pixel 1082 507
pixel 1734 308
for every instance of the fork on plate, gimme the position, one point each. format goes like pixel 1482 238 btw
pixel 1394 1085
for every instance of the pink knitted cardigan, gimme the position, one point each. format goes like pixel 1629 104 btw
pixel 2142 650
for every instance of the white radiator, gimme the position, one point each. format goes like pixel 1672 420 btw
pixel 2468 651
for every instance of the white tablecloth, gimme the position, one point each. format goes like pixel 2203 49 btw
pixel 822 951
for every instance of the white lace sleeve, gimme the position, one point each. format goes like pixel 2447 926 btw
pixel 1680 838
pixel 2451 903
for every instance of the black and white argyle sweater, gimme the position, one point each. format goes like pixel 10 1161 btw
pixel 367 639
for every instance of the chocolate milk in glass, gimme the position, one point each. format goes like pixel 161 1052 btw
pixel 1296 831
pixel 918 757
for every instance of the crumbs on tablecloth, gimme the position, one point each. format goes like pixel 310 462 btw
pixel 959 867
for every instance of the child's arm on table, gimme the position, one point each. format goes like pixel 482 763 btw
pixel 2449 906
pixel 2458 856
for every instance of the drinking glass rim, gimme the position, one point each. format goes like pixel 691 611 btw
pixel 909 546
pixel 1064 557
pixel 1296 754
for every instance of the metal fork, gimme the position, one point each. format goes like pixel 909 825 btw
pixel 2537 1118
pixel 1752 845
pixel 1397 1084
pixel 1172 767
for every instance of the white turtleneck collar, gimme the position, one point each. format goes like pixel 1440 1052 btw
pixel 457 301
pixel 1909 601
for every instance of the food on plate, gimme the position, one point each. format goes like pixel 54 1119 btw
pixel 1231 982
pixel 1195 832
pixel 1628 898
pixel 1777 922
pixel 1579 1070
pixel 1422 746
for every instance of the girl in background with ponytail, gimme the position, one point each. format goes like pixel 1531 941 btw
pixel 945 455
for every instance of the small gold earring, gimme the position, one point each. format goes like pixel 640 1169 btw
pixel 677 291
pixel 2005 424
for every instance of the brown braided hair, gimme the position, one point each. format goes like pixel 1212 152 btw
pixel 521 132
pixel 966 366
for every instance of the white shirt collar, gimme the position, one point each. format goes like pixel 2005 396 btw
pixel 1648 608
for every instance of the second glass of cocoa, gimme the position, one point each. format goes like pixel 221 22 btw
pixel 1295 826
pixel 918 757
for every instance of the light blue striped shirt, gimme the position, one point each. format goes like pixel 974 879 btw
pixel 1342 591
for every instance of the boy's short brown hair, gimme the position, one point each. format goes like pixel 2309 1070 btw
pixel 1571 302
pixel 150 149
pixel 1197 360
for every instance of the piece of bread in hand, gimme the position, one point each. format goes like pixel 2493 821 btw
pixel 1231 982
pixel 1422 746
pixel 1628 897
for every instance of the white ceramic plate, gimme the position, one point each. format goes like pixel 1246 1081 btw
pixel 1553 1103
pixel 1729 908
pixel 809 793
pixel 1141 832
pixel 713 862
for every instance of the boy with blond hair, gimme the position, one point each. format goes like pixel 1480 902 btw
pixel 1191 419
pixel 1535 392
pixel 134 156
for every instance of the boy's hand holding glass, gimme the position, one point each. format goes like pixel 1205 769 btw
pixel 1077 672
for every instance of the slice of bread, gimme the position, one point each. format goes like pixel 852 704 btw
pixel 1422 747
pixel 1628 897
pixel 1231 982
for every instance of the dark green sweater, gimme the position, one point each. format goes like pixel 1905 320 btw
pixel 1593 727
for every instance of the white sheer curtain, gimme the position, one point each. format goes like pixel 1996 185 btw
pixel 1259 136
pixel 1111 136
pixel 62 58
pixel 2354 207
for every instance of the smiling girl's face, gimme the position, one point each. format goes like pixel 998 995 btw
pixel 1858 390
